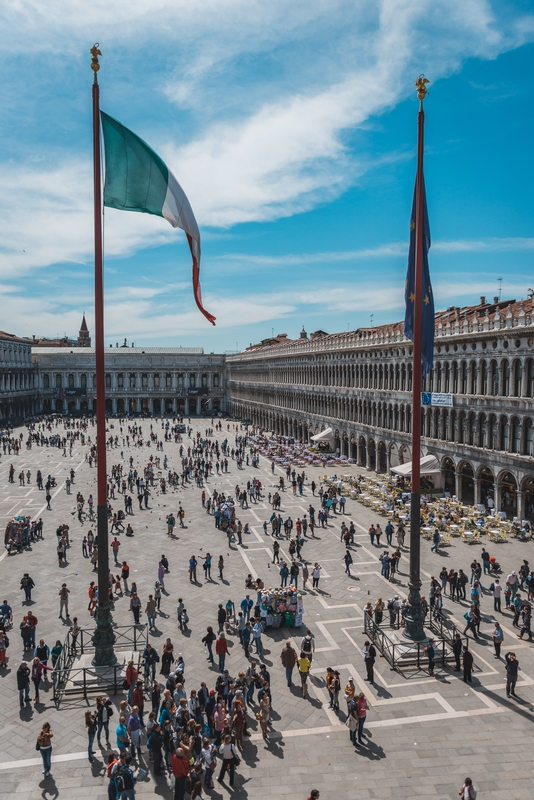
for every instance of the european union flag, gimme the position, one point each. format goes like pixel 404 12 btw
pixel 427 343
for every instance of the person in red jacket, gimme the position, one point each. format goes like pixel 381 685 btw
pixel 180 770
pixel 138 699
pixel 221 648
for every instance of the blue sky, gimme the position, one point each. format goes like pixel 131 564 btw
pixel 292 128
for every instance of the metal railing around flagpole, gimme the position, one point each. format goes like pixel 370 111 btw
pixel 411 655
pixel 68 679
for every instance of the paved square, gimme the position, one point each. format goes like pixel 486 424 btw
pixel 424 735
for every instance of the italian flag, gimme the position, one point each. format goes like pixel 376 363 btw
pixel 138 180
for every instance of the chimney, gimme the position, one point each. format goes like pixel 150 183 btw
pixel 482 301
pixel 495 300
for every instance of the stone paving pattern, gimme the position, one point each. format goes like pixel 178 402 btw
pixel 424 734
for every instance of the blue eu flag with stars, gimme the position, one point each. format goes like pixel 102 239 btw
pixel 427 342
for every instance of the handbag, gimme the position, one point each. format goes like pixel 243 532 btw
pixel 37 745
pixel 351 723
pixel 125 684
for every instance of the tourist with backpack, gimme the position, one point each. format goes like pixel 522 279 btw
pixel 114 763
pixel 125 780
pixel 307 645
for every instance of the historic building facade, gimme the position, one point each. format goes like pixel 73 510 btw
pixel 150 380
pixel 18 378
pixel 359 383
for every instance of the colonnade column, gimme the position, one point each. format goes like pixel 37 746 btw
pixel 498 496
pixel 457 484
pixel 478 490
pixel 520 502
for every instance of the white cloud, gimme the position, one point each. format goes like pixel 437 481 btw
pixel 290 155
pixel 388 250
pixel 281 147
pixel 47 218
pixel 491 244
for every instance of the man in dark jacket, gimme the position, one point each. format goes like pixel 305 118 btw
pixel 23 683
pixel 155 743
pixel 27 584
pixel 457 650
pixel 369 654
pixel 468 664
pixel 288 657
pixel 151 658
pixel 512 668
pixel 221 617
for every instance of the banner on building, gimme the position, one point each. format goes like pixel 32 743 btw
pixel 439 399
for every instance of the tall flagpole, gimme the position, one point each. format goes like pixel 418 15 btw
pixel 414 618
pixel 103 637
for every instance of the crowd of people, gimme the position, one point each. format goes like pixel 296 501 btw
pixel 196 734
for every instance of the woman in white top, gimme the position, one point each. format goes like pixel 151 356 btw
pixel 316 575
pixel 207 754
pixel 229 757
pixel 468 791
pixel 192 703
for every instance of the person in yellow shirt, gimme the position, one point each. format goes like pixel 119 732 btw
pixel 328 680
pixel 303 664
pixel 350 690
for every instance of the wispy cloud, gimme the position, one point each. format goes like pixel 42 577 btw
pixel 289 153
pixel 47 219
pixel 490 245
pixel 255 106
pixel 390 250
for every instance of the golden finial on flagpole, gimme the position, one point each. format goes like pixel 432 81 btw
pixel 95 66
pixel 422 91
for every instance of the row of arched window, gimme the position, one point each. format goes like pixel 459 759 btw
pixel 503 377
pixel 508 433
pixel 133 380
pixel 16 381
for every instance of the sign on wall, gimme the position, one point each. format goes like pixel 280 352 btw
pixel 437 399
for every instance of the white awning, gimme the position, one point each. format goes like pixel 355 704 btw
pixel 429 466
pixel 326 435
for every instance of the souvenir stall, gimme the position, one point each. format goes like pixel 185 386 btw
pixel 227 513
pixel 282 607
